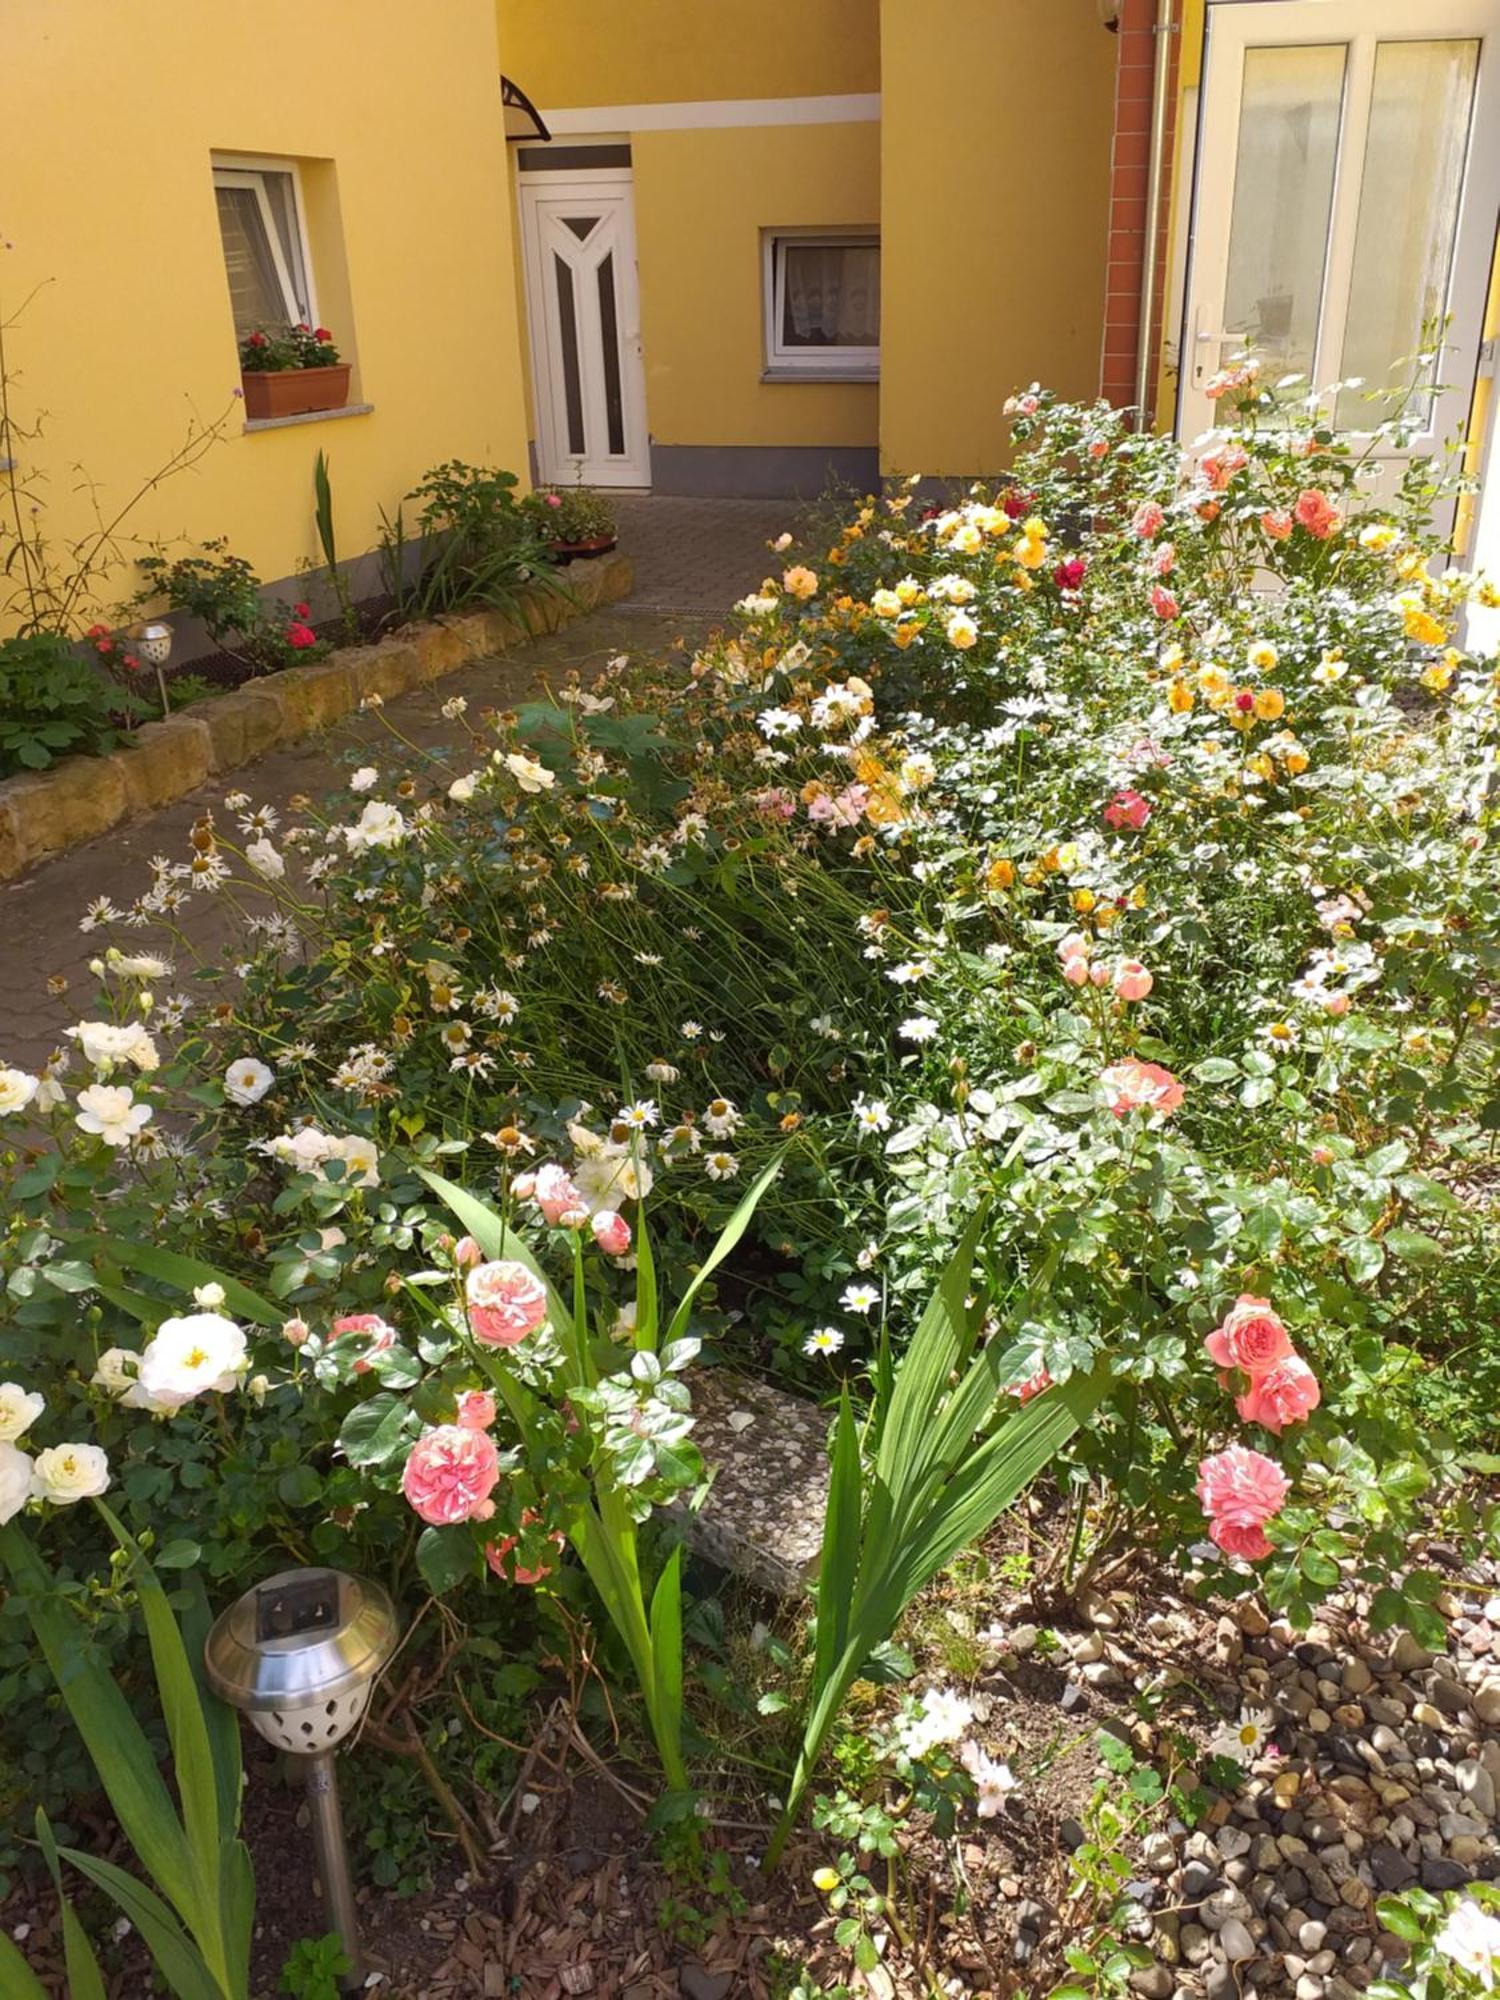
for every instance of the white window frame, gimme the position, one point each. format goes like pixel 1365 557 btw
pixel 819 364
pixel 249 170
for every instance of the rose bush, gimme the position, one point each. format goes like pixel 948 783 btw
pixel 1114 846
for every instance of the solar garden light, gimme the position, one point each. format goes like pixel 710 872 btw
pixel 153 644
pixel 300 1654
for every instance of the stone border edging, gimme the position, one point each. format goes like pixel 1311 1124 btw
pixel 46 812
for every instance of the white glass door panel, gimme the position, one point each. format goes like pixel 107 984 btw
pixel 1347 182
pixel 588 380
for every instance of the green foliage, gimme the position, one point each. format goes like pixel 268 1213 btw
pixel 222 590
pixel 52 704
pixel 570 513
pixel 474 546
pixel 338 583
pixel 314 1968
pixel 195 1910
pixel 273 350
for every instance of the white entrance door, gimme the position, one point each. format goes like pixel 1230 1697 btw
pixel 578 232
pixel 1347 185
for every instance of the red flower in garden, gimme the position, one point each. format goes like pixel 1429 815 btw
pixel 301 610
pixel 257 340
pixel 1069 575
pixel 1127 808
pixel 1244 701
pixel 300 635
pixel 130 663
pixel 1018 505
pixel 1163 603
pixel 321 333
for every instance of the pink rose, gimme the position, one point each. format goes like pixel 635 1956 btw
pixel 1317 513
pixel 1165 559
pixel 1099 974
pixel 1221 466
pixel 506 1302
pixel 295 1332
pixel 1128 808
pixel 1132 980
pixel 476 1410
pixel 451 1474
pixel 556 1195
pixel 523 1187
pixel 1163 603
pixel 496 1552
pixel 1076 971
pixel 1147 520
pixel 611 1232
pixel 1285 1394
pixel 1276 524
pixel 1250 1337
pixel 775 803
pixel 374 1332
pixel 1141 1086
pixel 1240 1491
pixel 1337 1004
pixel 466 1253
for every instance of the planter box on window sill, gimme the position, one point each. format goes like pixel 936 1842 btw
pixel 294 392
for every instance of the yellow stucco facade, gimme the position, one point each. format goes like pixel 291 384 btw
pixel 113 117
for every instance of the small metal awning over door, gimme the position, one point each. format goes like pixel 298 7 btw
pixel 522 119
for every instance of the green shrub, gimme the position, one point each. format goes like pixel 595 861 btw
pixel 474 545
pixel 52 703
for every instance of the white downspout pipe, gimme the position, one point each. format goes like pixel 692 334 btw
pixel 1161 73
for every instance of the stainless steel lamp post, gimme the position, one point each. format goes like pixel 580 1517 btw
pixel 300 1654
pixel 153 643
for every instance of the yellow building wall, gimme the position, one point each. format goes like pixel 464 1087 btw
pixel 997 118
pixel 675 51
pixel 702 199
pixel 112 114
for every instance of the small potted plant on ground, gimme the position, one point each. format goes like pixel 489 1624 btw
pixel 575 520
pixel 293 372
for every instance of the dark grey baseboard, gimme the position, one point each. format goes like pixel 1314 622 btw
pixel 762 471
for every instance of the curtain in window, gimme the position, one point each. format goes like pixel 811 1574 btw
pixel 832 295
pixel 254 287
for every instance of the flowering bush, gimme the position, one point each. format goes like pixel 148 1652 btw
pixel 571 513
pixel 1112 850
pixel 223 590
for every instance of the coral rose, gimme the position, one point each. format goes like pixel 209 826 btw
pixel 1250 1337
pixel 506 1302
pixel 451 1474
pixel 467 1253
pixel 1163 603
pixel 611 1232
pixel 496 1552
pixel 1141 1086
pixel 1132 980
pixel 369 1328
pixel 476 1410
pixel 1240 1491
pixel 1317 513
pixel 1276 524
pixel 1147 520
pixel 556 1196
pixel 1128 808
pixel 1285 1394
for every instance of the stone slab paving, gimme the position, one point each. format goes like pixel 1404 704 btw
pixel 693 558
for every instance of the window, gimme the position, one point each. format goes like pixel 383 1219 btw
pixel 822 296
pixel 265 244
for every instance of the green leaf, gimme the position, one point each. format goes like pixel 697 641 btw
pixel 1365 1259
pixel 375 1430
pixel 1398 1919
pixel 1413 1246
pixel 447 1557
pixel 85 1980
pixel 180 1961
pixel 17 1980
pixel 839 1564
pixel 184 1274
pixel 178 1554
pixel 729 1236
pixel 68 1275
pixel 666 1649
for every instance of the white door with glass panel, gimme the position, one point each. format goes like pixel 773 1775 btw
pixel 578 234
pixel 1347 184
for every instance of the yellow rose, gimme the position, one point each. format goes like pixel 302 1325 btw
pixel 1000 874
pixel 799 582
pixel 886 604
pixel 1269 704
pixel 1295 762
pixel 1179 698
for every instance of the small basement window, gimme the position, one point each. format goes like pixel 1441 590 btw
pixel 822 295
pixel 264 231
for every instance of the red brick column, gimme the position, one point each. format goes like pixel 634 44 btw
pixel 1129 173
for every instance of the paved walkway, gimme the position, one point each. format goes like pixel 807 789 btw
pixel 692 558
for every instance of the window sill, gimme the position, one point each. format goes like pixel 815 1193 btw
pixel 820 375
pixel 308 417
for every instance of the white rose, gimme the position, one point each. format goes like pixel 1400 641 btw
pixel 17 1088
pixel 362 1157
pixel 530 775
pixel 364 778
pixel 15 1482
pixel 115 1370
pixel 19 1410
pixel 189 1355
pixel 210 1297
pixel 111 1111
pixel 264 859
pixel 136 965
pixel 104 1045
pixel 247 1081
pixel 462 789
pixel 379 825
pixel 69 1472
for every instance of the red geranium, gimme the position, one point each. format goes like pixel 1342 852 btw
pixel 300 635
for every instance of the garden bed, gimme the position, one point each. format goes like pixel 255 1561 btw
pixel 79 798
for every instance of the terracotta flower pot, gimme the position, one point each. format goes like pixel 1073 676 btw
pixel 596 545
pixel 293 392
